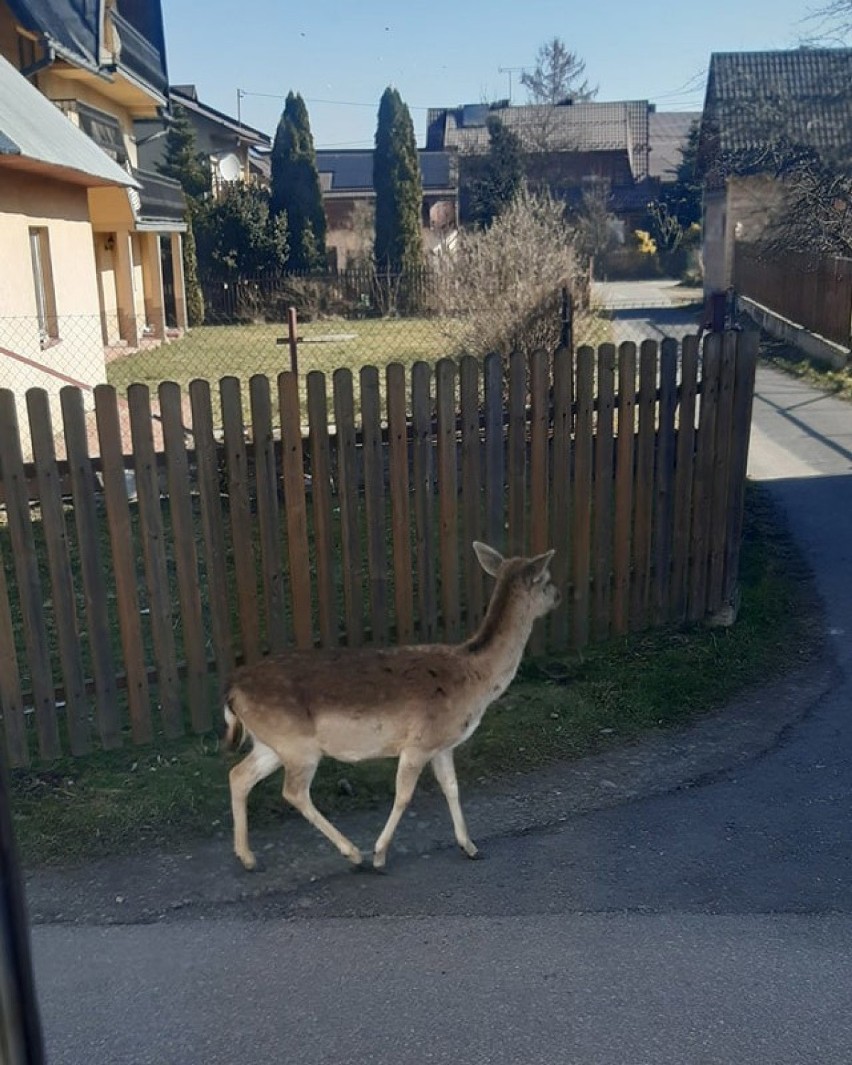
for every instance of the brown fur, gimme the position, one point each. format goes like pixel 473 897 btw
pixel 415 703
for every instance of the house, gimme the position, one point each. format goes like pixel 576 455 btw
pixel 346 180
pixel 236 152
pixel 103 67
pixel 50 312
pixel 758 107
pixel 624 146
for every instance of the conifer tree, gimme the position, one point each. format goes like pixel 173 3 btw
pixel 399 191
pixel 295 186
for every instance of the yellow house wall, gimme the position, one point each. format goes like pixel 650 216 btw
pixel 78 354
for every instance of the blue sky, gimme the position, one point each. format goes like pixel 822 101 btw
pixel 341 56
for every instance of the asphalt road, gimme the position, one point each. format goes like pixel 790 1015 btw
pixel 704 924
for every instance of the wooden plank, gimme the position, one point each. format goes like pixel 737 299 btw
pixel 746 365
pixel 296 509
pixel 125 570
pixel 448 498
pixel 684 472
pixel 640 592
pixel 30 593
pixel 424 501
pixel 374 502
pixel 721 474
pixel 400 505
pixel 702 493
pixel 582 508
pixel 471 493
pixel 539 428
pixel 93 568
pixel 59 565
pixel 268 508
pixel 239 507
pixel 153 537
pixel 213 529
pixel 604 494
pixel 560 490
pixel 11 697
pixel 624 450
pixel 185 555
pixel 495 454
pixel 347 476
pixel 321 507
pixel 517 445
pixel 664 483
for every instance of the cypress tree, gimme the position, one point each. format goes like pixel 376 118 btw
pixel 501 174
pixel 399 192
pixel 296 186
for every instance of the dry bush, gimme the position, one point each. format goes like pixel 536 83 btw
pixel 500 288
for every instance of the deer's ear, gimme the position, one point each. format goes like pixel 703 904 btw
pixel 538 565
pixel 489 559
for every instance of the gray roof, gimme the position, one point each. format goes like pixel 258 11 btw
pixel 35 135
pixel 667 134
pixel 583 126
pixel 352 171
pixel 187 96
pixel 754 99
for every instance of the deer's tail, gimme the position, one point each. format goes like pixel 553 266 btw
pixel 234 728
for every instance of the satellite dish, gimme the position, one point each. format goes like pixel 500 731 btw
pixel 229 167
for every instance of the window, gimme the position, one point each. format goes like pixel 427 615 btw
pixel 48 325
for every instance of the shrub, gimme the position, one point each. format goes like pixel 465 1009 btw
pixel 500 288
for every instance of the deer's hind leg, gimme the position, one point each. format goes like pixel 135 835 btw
pixel 258 764
pixel 297 791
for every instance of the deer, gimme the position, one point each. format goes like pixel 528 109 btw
pixel 416 703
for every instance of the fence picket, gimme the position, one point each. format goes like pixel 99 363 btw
pixel 152 535
pixel 347 474
pixel 374 502
pixel 11 697
pixel 582 509
pixel 471 494
pixel 539 429
pixel 92 568
pixel 664 481
pixel 400 504
pixel 560 490
pixel 213 528
pixel 185 555
pixel 28 578
pixel 268 523
pixel 624 449
pixel 59 565
pixel 721 464
pixel 603 493
pixel 424 494
pixel 321 507
pixel 643 494
pixel 517 448
pixel 448 494
pixel 124 561
pixel 495 454
pixel 702 493
pixel 239 509
pixel 684 473
pixel 293 476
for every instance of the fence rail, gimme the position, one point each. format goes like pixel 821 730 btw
pixel 128 583
pixel 816 294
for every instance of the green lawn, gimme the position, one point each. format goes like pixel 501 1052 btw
pixel 557 709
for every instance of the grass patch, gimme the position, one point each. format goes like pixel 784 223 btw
pixel 789 360
pixel 558 709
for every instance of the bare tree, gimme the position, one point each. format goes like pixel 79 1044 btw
pixel 831 23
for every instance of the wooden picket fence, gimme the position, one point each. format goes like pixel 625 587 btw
pixel 131 584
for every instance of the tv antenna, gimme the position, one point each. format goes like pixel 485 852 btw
pixel 510 71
